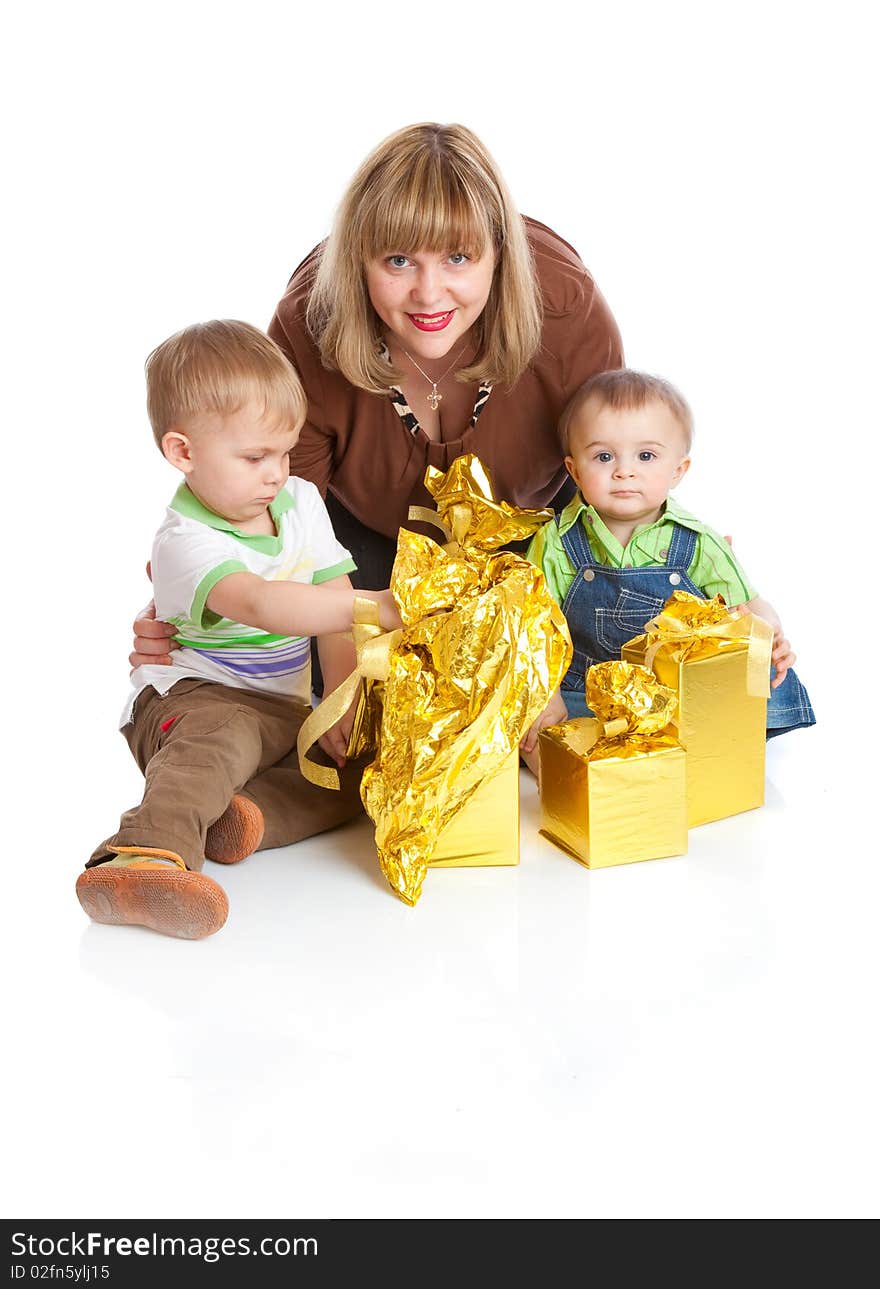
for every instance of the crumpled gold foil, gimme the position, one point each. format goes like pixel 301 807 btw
pixel 483 648
pixel 628 699
pixel 689 627
pixel 468 511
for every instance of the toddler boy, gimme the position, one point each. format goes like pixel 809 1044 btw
pixel 247 567
pixel 622 545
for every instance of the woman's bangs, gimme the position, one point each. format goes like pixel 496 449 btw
pixel 424 213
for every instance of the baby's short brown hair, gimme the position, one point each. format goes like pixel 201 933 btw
pixel 218 367
pixel 624 389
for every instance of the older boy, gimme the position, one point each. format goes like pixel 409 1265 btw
pixel 247 567
pixel 623 545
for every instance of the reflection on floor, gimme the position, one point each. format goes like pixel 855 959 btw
pixel 687 1037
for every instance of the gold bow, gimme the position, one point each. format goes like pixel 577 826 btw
pixel 690 627
pixel 373 646
pixel 631 707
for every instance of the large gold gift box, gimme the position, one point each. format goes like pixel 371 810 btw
pixel 627 806
pixel 722 726
pixel 485 833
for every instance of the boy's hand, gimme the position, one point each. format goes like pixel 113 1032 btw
pixel 552 714
pixel 152 638
pixel 781 655
pixel 335 740
pixel 389 618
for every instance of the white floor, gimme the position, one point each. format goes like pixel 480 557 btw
pixel 688 1037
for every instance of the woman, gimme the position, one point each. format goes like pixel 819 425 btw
pixel 434 321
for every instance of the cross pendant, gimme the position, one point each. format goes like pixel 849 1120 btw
pixel 434 399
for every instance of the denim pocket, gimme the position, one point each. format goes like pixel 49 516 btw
pixel 614 627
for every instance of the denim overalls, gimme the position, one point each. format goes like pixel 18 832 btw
pixel 606 607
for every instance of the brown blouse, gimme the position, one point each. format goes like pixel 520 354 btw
pixel 357 445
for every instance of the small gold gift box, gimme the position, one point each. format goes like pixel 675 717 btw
pixel 625 806
pixel 485 832
pixel 722 726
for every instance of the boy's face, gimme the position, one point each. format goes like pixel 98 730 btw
pixel 235 464
pixel 626 462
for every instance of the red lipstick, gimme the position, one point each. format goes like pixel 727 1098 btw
pixel 431 321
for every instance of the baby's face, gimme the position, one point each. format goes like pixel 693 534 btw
pixel 237 464
pixel 626 462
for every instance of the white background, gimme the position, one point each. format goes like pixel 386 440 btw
pixel 691 1037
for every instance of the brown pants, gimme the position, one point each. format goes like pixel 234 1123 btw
pixel 199 745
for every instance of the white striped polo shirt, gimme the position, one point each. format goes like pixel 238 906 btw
pixel 194 549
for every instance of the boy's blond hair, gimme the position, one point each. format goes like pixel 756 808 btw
pixel 217 367
pixel 623 389
pixel 426 188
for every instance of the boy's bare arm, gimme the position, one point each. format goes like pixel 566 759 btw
pixel 295 608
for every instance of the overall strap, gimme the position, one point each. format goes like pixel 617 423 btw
pixel 682 548
pixel 576 544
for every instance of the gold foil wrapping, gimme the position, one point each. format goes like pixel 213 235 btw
pixel 613 789
pixel 485 832
pixel 483 648
pixel 718 663
pixel 628 700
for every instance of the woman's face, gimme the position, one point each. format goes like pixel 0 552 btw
pixel 429 300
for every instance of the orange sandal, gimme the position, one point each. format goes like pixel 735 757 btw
pixel 145 892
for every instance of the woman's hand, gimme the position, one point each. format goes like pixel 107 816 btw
pixel 152 638
pixel 782 655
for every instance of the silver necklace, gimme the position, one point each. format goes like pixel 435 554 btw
pixel 435 398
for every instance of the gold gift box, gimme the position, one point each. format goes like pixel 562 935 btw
pixel 619 809
pixel 721 726
pixel 485 832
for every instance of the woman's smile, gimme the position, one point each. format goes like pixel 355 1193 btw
pixel 431 321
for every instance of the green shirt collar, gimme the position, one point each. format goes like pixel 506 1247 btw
pixel 578 509
pixel 186 503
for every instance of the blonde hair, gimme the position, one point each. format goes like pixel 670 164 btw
pixel 426 188
pixel 218 367
pixel 623 390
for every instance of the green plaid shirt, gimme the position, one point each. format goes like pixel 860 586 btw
pixel 713 569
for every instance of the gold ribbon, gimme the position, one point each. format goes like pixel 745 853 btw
pixel 426 516
pixel 373 646
pixel 683 636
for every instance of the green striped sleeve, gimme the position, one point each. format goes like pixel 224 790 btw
pixel 335 570
pixel 200 614
pixel 716 571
